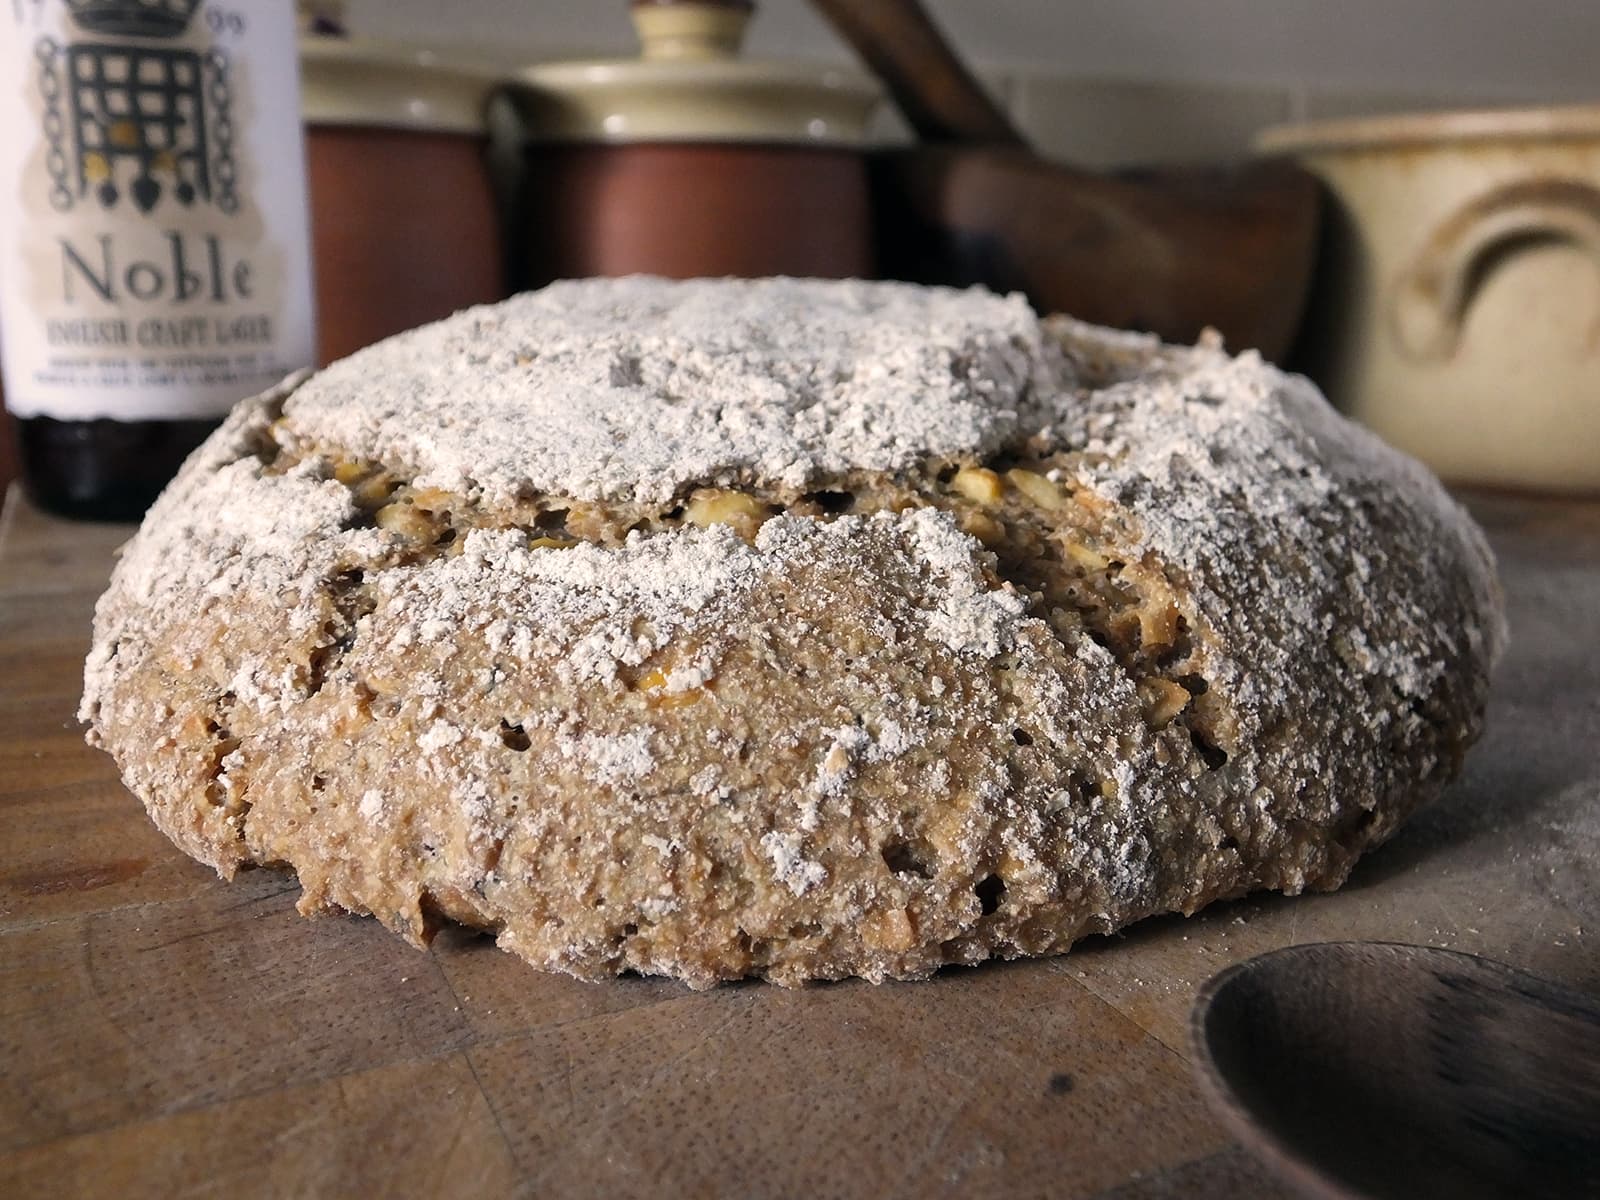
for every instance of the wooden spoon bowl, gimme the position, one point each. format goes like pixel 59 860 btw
pixel 1373 1069
pixel 1170 251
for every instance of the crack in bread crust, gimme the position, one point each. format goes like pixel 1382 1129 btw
pixel 1056 542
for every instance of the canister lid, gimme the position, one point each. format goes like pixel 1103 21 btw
pixel 359 81
pixel 690 85
pixel 1407 130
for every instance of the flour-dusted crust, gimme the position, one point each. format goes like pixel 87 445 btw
pixel 790 628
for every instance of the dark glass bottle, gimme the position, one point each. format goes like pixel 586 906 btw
pixel 154 254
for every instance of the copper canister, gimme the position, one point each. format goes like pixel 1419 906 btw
pixel 404 222
pixel 690 160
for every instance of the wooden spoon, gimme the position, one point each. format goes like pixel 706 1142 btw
pixel 1367 1069
pixel 1171 250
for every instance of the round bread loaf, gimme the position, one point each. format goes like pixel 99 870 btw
pixel 790 628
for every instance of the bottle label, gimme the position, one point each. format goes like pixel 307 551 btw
pixel 154 262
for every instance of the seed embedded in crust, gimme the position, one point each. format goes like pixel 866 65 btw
pixel 654 686
pixel 370 493
pixel 1085 556
pixel 891 930
pixel 1036 488
pixel 406 521
pixel 1163 700
pixel 1158 624
pixel 982 526
pixel 718 506
pixel 979 484
pixel 432 499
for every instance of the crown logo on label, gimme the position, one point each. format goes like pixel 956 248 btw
pixel 134 18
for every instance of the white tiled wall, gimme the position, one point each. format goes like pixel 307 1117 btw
pixel 1111 82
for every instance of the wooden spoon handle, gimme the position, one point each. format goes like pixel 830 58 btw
pixel 938 95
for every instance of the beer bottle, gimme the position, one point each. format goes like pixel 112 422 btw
pixel 154 261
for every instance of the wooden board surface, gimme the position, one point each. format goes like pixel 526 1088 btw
pixel 163 1033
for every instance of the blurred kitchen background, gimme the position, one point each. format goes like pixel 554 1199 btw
pixel 1119 82
pixel 1101 85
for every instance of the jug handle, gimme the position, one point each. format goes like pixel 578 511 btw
pixel 1430 300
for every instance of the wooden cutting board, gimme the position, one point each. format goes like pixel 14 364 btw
pixel 163 1033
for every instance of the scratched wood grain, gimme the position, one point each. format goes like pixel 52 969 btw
pixel 164 1033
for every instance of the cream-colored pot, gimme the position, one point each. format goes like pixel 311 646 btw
pixel 1458 312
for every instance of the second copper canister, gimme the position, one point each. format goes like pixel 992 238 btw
pixel 691 160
